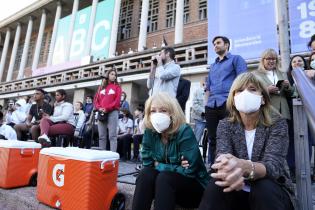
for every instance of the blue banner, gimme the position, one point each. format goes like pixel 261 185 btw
pixel 302 23
pixel 249 24
pixel 101 33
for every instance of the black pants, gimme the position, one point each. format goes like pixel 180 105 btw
pixel 124 146
pixel 213 116
pixel 167 189
pixel 265 194
pixel 137 140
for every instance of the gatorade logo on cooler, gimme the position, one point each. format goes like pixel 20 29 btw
pixel 58 175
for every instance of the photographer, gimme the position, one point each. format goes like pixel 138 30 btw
pixel 107 102
pixel 164 74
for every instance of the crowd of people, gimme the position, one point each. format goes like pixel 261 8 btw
pixel 247 115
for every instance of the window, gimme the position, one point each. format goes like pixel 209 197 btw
pixel 18 57
pixel 153 15
pixel 124 28
pixel 170 13
pixel 43 49
pixel 30 53
pixel 186 12
pixel 202 9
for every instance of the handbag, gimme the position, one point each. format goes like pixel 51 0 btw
pixel 102 116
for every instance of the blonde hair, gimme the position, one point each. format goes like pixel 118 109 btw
pixel 171 105
pixel 240 83
pixel 265 54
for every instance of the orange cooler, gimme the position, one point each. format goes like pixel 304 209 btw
pixel 74 178
pixel 18 163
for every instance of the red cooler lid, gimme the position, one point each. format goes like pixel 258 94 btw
pixel 15 144
pixel 75 153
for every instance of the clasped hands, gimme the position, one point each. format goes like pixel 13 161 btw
pixel 229 172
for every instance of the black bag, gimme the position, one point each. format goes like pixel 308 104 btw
pixel 102 116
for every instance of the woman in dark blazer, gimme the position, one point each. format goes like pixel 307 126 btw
pixel 250 171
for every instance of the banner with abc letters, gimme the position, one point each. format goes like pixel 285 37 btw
pixel 302 23
pixel 101 33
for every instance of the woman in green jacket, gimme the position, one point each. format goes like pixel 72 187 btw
pixel 166 142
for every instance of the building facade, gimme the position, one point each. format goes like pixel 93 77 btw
pixel 28 40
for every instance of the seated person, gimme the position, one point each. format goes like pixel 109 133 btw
pixel 6 131
pixel 8 114
pixel 251 171
pixel 167 140
pixel 79 118
pixel 124 137
pixel 60 123
pixel 34 116
pixel 138 133
pixel 19 114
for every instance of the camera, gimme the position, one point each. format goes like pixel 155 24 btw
pixel 155 61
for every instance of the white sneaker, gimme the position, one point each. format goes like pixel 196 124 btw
pixel 44 140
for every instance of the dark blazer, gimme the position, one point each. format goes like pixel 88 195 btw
pixel 183 91
pixel 270 148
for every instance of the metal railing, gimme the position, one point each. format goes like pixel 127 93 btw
pixel 191 54
pixel 303 114
pixel 187 55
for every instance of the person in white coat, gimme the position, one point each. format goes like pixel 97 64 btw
pixel 6 131
pixel 19 114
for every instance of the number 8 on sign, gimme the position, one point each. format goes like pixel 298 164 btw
pixel 307 28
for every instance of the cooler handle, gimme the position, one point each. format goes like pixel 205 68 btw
pixel 27 152
pixel 108 165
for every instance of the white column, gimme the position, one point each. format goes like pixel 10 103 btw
pixel 71 28
pixel 13 53
pixel 143 25
pixel 113 36
pixel 179 23
pixel 39 40
pixel 25 48
pixel 54 34
pixel 284 43
pixel 91 28
pixel 4 52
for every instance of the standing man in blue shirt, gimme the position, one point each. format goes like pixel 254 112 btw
pixel 222 73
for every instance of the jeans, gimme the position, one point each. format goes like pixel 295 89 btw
pixel 213 116
pixel 111 124
pixel 198 129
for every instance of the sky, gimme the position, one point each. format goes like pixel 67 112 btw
pixel 9 7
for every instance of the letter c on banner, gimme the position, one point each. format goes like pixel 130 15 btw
pixel 58 175
pixel 105 25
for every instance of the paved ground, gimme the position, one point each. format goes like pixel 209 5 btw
pixel 25 198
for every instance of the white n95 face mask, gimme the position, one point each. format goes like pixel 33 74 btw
pixel 312 64
pixel 160 121
pixel 247 102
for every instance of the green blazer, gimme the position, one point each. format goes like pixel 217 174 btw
pixel 279 100
pixel 183 143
